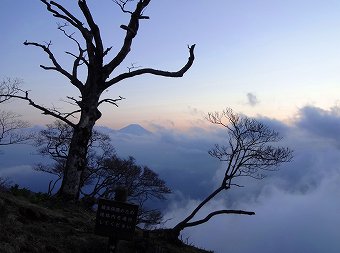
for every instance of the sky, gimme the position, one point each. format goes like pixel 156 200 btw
pixel 283 52
pixel 274 60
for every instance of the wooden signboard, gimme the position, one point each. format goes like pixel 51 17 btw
pixel 116 219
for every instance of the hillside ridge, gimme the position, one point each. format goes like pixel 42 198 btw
pixel 37 223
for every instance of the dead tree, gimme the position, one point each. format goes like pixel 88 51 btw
pixel 91 54
pixel 249 152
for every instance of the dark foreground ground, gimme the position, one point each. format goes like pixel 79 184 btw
pixel 32 223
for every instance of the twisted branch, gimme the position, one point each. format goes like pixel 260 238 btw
pixel 44 110
pixel 157 72
pixel 209 216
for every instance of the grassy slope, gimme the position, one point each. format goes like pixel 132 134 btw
pixel 50 227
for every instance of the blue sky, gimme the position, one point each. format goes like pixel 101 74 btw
pixel 275 60
pixel 284 52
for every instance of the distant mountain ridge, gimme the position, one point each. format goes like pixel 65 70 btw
pixel 132 129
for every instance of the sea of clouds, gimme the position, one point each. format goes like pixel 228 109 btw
pixel 297 207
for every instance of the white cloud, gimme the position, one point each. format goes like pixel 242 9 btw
pixel 284 222
pixel 252 99
pixel 297 207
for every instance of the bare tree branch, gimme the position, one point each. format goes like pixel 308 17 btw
pixel 133 67
pixel 57 67
pixel 60 12
pixel 183 223
pixel 94 30
pixel 76 102
pixel 131 32
pixel 111 101
pixel 68 114
pixel 212 214
pixel 67 16
pixel 44 110
pixel 79 59
pixel 107 50
pixel 122 4
pixel 157 72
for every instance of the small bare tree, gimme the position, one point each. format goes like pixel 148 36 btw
pixel 249 152
pixel 10 124
pixel 143 185
pixel 8 87
pixel 11 129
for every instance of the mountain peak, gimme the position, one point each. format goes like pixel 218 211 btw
pixel 134 129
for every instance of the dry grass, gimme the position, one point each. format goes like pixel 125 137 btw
pixel 53 227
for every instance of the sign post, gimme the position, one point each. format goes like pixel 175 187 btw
pixel 117 220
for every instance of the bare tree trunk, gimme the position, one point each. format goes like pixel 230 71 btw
pixel 75 164
pixel 183 224
pixel 76 159
pixel 174 233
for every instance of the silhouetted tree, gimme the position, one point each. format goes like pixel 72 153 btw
pixel 8 87
pixel 11 129
pixel 54 142
pixel 104 171
pixel 10 124
pixel 141 182
pixel 100 75
pixel 248 152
